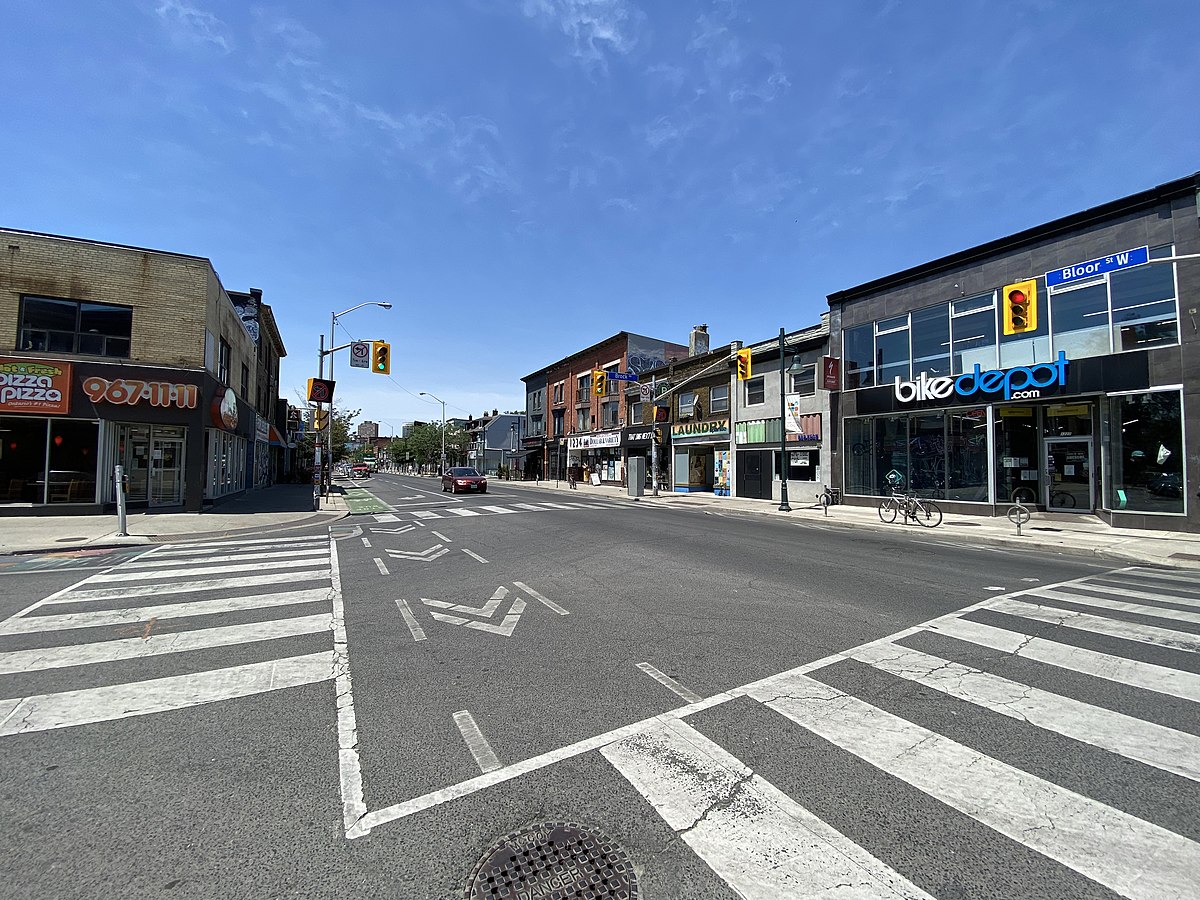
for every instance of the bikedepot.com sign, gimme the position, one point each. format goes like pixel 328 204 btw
pixel 1021 383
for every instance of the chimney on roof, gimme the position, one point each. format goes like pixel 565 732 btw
pixel 698 340
pixel 256 293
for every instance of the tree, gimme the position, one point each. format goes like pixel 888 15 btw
pixel 457 442
pixel 342 419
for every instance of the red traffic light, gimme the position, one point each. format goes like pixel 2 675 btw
pixel 1017 297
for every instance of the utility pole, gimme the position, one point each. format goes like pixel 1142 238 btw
pixel 783 467
pixel 654 433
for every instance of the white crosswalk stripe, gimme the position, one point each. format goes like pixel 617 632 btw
pixel 154 642
pixel 763 843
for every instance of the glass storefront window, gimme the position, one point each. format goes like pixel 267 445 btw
pixel 927 455
pixel 47 460
pixel 1080 319
pixel 1143 305
pixel 875 447
pixel 973 333
pixel 858 352
pixel 1145 453
pixel 931 341
pixel 1017 462
pixel 891 349
pixel 967 455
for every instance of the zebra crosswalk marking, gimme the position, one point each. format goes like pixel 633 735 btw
pixel 42 712
pixel 182 551
pixel 174 571
pixel 1133 857
pixel 499 510
pixel 1147 676
pixel 187 587
pixel 1120 591
pixel 161 562
pixel 1156 745
pixel 465 513
pixel 132 615
pixel 1069 618
pixel 1158 612
pixel 158 644
pixel 737 821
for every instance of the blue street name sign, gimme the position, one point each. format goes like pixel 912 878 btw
pixel 1126 259
pixel 622 376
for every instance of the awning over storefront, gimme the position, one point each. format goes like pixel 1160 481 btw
pixel 276 438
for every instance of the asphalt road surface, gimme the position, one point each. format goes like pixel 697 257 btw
pixel 742 706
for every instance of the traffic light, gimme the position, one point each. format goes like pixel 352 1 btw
pixel 1020 307
pixel 381 357
pixel 743 365
pixel 599 382
pixel 320 419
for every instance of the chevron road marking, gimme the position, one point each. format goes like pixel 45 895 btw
pixel 420 555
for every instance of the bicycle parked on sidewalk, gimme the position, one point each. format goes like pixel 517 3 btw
pixel 924 512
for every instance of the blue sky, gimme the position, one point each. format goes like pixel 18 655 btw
pixel 522 178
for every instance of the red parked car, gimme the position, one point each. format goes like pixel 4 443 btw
pixel 463 478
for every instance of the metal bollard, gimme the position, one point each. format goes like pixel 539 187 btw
pixel 122 523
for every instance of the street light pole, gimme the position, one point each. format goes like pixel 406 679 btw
pixel 783 490
pixel 443 402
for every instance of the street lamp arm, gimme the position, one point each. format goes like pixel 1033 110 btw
pixel 380 303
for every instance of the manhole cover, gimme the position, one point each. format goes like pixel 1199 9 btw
pixel 555 861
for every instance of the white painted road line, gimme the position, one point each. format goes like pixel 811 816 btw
pixel 381 567
pixel 425 514
pixel 556 505
pixel 1078 659
pixel 414 627
pixel 540 599
pixel 760 841
pixel 499 510
pixel 1130 631
pixel 43 712
pixel 387 517
pixel 474 555
pixel 187 587
pixel 349 767
pixel 476 742
pixel 1122 591
pixel 440 536
pixel 1155 745
pixel 159 561
pixel 158 643
pixel 175 571
pixel 669 683
pixel 1133 857
pixel 462 512
pixel 529 506
pixel 366 542
pixel 137 614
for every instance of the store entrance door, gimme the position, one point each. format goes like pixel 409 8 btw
pixel 754 474
pixel 1068 483
pixel 166 471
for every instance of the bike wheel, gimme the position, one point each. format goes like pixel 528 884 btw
pixel 1024 495
pixel 887 510
pixel 927 513
pixel 1062 499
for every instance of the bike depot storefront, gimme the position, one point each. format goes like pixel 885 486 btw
pixel 1044 434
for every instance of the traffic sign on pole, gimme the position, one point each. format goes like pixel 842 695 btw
pixel 360 355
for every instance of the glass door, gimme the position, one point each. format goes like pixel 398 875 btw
pixel 166 471
pixel 1068 483
pixel 133 452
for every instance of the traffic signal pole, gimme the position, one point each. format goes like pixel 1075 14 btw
pixel 654 434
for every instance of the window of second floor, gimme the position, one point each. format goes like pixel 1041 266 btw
pixel 583 384
pixel 635 413
pixel 224 361
pixel 718 398
pixel 610 414
pixel 756 392
pixel 687 403
pixel 558 393
pixel 52 325
pixel 246 385
pixel 804 382
pixel 558 422
pixel 583 420
pixel 537 426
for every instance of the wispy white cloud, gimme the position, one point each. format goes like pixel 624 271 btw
pixel 595 28
pixel 295 44
pixel 620 203
pixel 190 24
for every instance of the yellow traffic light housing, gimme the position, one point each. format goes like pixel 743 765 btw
pixel 599 382
pixel 1020 307
pixel 381 357
pixel 743 365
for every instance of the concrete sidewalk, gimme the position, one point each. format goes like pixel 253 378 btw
pixel 279 506
pixel 1047 531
